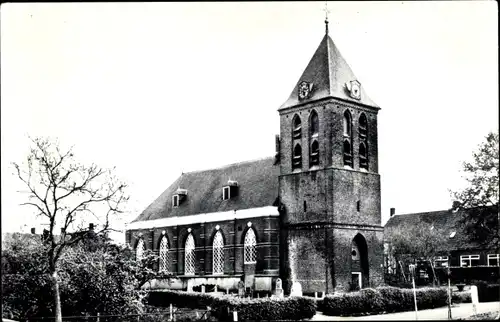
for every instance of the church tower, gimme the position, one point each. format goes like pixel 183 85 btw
pixel 329 185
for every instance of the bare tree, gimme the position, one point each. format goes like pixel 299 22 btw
pixel 68 194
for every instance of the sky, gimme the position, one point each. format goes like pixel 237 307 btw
pixel 157 89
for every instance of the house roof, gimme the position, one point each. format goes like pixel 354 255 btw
pixel 444 222
pixel 257 187
pixel 329 73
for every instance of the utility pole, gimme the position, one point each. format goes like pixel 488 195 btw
pixel 412 272
pixel 449 293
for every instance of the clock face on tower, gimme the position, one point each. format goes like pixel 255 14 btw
pixel 304 89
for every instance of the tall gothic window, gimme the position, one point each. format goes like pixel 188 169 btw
pixel 189 256
pixel 139 250
pixel 363 156
pixel 218 253
pixel 347 153
pixel 250 247
pixel 164 255
pixel 314 156
pixel 363 127
pixel 297 127
pixel 347 124
pixel 314 124
pixel 297 157
pixel 363 145
pixel 347 147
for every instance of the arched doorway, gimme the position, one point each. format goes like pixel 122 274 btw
pixel 359 262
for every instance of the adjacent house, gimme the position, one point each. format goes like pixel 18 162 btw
pixel 471 253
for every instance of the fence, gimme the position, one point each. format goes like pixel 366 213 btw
pixel 170 314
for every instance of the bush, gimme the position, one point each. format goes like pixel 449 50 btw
pixel 383 300
pixel 290 308
pixel 461 297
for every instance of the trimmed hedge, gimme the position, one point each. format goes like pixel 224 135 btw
pixel 222 306
pixel 488 292
pixel 383 300
pixel 461 297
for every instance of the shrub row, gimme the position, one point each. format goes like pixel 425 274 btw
pixel 222 306
pixel 461 297
pixel 383 300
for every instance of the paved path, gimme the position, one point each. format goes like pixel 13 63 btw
pixel 462 310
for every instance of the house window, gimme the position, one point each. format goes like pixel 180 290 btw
pixel 297 157
pixel 175 201
pixel 363 157
pixel 314 156
pixel 363 127
pixel 358 205
pixel 347 154
pixel 314 124
pixel 190 257
pixel 250 247
pixel 493 260
pixel 164 255
pixel 297 127
pixel 441 261
pixel 469 260
pixel 225 193
pixel 347 124
pixel 218 254
pixel 139 250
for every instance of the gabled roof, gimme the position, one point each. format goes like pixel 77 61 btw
pixel 444 222
pixel 257 187
pixel 328 72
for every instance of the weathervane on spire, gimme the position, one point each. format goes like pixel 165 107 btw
pixel 326 16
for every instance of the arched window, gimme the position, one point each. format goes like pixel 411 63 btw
pixel 139 250
pixel 313 124
pixel 297 157
pixel 314 156
pixel 363 156
pixel 347 153
pixel 189 256
pixel 347 124
pixel 297 127
pixel 164 255
pixel 218 253
pixel 250 247
pixel 363 127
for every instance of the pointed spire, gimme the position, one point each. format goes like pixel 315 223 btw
pixel 326 16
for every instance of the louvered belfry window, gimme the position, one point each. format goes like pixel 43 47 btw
pixel 250 247
pixel 164 255
pixel 190 257
pixel 139 250
pixel 218 254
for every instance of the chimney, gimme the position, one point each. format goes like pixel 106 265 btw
pixel 393 211
pixel 91 226
pixel 33 230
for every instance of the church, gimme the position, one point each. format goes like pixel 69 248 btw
pixel 309 214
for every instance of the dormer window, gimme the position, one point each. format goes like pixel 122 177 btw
pixel 179 196
pixel 230 190
pixel 225 193
pixel 175 201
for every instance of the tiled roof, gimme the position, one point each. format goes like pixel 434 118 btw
pixel 329 73
pixel 257 185
pixel 444 222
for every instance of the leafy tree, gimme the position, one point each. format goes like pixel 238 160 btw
pixel 67 194
pixel 103 279
pixel 480 196
pixel 410 243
